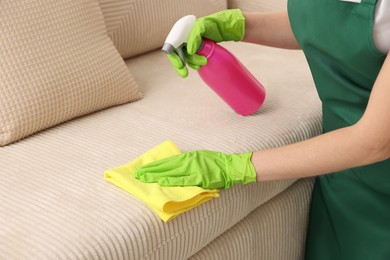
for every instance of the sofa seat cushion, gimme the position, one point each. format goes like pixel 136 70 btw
pixel 274 231
pixel 56 204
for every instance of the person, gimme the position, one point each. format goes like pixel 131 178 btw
pixel 346 45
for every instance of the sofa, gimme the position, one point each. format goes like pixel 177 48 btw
pixel 85 88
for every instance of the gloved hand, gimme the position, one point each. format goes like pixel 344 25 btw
pixel 207 169
pixel 226 25
pixel 195 61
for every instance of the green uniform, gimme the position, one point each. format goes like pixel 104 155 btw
pixel 350 210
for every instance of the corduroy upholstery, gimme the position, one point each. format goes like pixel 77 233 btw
pixel 138 26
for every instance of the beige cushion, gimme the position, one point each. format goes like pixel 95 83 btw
pixel 138 26
pixel 56 63
pixel 259 5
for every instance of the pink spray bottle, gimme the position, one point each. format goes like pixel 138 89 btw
pixel 223 73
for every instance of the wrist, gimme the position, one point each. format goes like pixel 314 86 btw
pixel 226 25
pixel 240 169
pixel 236 26
pixel 250 171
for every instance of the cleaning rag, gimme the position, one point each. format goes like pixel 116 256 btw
pixel 167 202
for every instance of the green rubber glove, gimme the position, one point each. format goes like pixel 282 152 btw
pixel 207 169
pixel 226 25
pixel 194 61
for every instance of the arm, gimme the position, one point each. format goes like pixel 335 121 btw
pixel 260 28
pixel 366 142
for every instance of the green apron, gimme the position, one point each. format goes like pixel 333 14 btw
pixel 350 210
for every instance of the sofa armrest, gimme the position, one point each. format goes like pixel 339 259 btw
pixel 258 5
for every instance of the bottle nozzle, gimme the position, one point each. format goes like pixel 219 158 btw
pixel 168 48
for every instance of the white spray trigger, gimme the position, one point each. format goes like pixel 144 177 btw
pixel 178 36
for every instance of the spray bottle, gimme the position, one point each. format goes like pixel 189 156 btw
pixel 223 73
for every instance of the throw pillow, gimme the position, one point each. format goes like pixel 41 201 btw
pixel 56 63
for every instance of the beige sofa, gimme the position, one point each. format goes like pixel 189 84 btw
pixel 55 203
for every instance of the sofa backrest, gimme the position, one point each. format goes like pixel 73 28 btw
pixel 259 5
pixel 138 26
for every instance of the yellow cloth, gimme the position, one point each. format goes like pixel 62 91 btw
pixel 167 202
